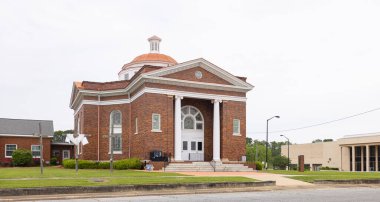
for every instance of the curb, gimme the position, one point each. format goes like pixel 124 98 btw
pixel 123 188
pixel 356 181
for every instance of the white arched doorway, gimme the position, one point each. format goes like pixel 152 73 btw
pixel 192 134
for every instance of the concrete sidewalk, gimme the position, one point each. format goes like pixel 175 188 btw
pixel 281 180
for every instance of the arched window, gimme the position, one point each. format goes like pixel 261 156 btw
pixel 191 118
pixel 115 130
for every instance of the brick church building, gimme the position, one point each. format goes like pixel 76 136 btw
pixel 188 111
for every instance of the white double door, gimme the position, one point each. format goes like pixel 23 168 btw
pixel 192 145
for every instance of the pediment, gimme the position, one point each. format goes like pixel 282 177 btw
pixel 197 74
pixel 190 71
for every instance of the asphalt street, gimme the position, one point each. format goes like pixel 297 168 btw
pixel 354 194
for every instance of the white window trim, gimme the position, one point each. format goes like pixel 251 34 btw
pixel 110 131
pixel 136 126
pixel 5 150
pixel 159 123
pixel 233 132
pixel 116 152
pixel 31 149
pixel 68 152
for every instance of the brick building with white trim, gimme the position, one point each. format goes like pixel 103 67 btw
pixel 189 111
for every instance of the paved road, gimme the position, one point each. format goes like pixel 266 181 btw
pixel 353 194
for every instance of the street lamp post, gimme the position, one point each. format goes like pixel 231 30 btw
pixel 288 151
pixel 266 147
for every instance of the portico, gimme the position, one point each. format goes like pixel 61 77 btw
pixel 361 152
pixel 364 157
pixel 189 120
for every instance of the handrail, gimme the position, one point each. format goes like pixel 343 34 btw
pixel 213 164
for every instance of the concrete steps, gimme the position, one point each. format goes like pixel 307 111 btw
pixel 206 167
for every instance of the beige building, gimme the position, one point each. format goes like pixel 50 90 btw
pixel 360 152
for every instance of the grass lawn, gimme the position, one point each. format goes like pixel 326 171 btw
pixel 310 176
pixel 30 177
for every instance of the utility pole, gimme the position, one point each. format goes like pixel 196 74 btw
pixel 267 143
pixel 112 140
pixel 41 150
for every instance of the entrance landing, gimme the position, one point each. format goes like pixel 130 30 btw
pixel 206 167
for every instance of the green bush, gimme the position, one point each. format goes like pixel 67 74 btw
pixel 53 161
pixel 85 164
pixel 69 163
pixel 328 168
pixel 259 165
pixel 104 165
pixel 124 164
pixel 22 157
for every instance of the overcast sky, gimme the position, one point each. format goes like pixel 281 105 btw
pixel 310 61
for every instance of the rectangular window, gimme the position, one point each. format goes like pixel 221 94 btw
pixel 156 122
pixel 66 154
pixel 184 145
pixel 9 148
pixel 200 146
pixel 36 151
pixel 193 146
pixel 136 126
pixel 236 127
pixel 116 143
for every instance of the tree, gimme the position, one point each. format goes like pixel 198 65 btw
pixel 60 136
pixel 328 140
pixel 258 146
pixel 22 157
pixel 316 141
pixel 280 162
pixel 248 141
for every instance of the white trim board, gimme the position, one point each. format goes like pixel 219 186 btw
pixel 163 92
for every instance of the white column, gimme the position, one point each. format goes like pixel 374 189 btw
pixel 177 130
pixel 367 158
pixel 376 158
pixel 353 159
pixel 216 131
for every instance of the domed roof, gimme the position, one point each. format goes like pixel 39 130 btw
pixel 154 57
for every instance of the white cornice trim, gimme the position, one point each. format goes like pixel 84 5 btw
pixel 196 84
pixel 164 92
pixel 195 95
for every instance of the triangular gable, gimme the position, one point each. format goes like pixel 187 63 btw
pixel 197 74
pixel 186 71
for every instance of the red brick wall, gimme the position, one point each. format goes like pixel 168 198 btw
pixel 232 147
pixel 90 128
pixel 145 140
pixel 24 143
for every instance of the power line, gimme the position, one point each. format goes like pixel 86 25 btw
pixel 323 123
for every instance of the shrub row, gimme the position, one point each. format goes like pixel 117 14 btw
pixel 258 165
pixel 328 168
pixel 132 163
